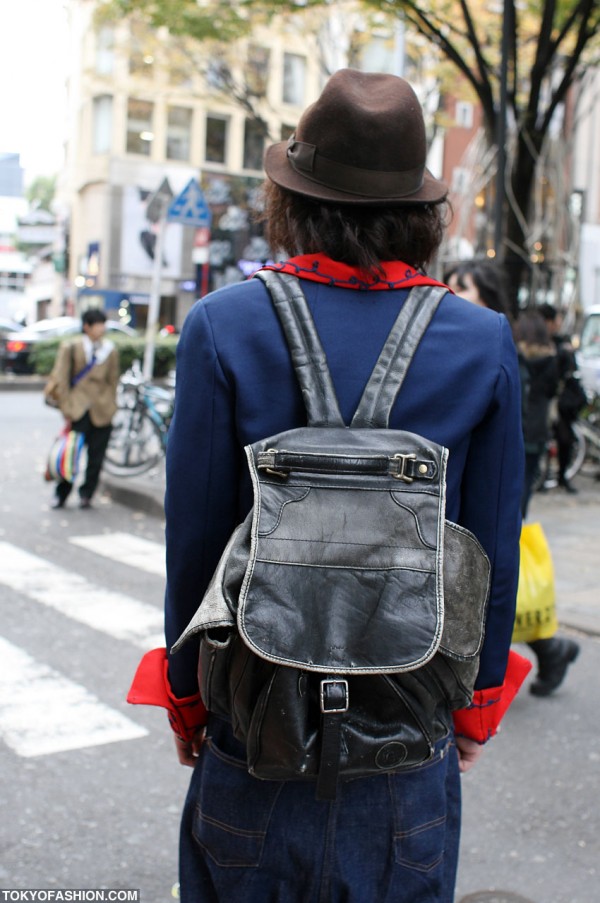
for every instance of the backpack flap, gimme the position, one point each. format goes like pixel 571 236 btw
pixel 345 572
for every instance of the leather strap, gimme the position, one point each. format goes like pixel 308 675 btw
pixel 310 363
pixel 334 704
pixel 308 357
pixel 386 380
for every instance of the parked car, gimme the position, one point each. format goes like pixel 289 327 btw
pixel 588 353
pixel 18 347
pixel 7 330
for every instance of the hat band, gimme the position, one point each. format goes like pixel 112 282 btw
pixel 307 161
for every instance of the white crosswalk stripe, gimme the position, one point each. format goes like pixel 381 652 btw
pixel 112 613
pixel 127 549
pixel 41 711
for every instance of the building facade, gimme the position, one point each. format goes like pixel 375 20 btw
pixel 145 107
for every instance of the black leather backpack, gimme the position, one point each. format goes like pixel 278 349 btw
pixel 345 618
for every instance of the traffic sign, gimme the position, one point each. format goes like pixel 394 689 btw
pixel 190 207
pixel 159 201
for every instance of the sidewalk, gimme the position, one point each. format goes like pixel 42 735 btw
pixel 144 493
pixel 570 522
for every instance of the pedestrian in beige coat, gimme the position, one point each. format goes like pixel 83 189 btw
pixel 83 383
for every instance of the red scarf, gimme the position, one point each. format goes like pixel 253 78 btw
pixel 320 268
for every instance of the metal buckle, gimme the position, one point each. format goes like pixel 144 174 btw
pixel 331 707
pixel 272 470
pixel 402 474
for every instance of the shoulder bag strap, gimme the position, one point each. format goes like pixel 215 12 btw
pixel 76 377
pixel 386 380
pixel 308 357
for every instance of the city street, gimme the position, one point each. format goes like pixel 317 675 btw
pixel 92 785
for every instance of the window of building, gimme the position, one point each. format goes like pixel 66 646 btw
pixel 140 134
pixel 141 54
pixel 294 77
pixel 216 139
pixel 218 75
pixel 254 144
pixel 257 69
pixel 102 124
pixel 180 74
pixel 464 114
pixel 378 55
pixel 179 131
pixel 461 179
pixel 12 281
pixel 105 50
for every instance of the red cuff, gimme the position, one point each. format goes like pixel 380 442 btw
pixel 481 719
pixel 151 686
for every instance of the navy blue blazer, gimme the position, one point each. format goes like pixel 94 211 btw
pixel 236 385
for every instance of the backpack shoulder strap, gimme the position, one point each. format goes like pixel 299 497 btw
pixel 310 363
pixel 307 353
pixel 386 380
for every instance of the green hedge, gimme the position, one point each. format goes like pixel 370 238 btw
pixel 130 349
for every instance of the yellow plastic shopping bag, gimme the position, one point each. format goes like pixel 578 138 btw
pixel 536 596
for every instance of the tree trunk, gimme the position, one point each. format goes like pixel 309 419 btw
pixel 522 180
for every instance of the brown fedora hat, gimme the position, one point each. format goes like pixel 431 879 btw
pixel 362 142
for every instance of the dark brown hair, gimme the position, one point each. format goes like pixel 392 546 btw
pixel 489 278
pixel 363 237
pixel 531 330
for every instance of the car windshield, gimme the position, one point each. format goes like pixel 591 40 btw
pixel 51 327
pixel 590 337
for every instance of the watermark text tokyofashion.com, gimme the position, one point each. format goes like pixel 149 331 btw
pixel 68 895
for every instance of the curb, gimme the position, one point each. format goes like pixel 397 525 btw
pixel 500 896
pixel 21 383
pixel 579 625
pixel 138 497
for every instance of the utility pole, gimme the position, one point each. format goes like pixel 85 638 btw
pixel 156 212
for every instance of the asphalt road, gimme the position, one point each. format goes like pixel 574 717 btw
pixel 102 812
pixel 80 810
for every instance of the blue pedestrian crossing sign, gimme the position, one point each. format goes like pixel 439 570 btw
pixel 190 207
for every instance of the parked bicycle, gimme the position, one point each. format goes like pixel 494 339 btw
pixel 140 426
pixel 585 453
pixel 589 428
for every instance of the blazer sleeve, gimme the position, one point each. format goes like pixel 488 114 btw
pixel 491 505
pixel 204 461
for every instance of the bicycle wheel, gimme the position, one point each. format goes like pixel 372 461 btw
pixel 135 445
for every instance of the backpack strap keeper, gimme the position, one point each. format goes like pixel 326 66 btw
pixel 334 703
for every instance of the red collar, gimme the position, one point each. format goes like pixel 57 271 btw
pixel 320 268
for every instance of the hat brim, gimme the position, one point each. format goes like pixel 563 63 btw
pixel 280 171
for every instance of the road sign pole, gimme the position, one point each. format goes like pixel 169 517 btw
pixel 154 303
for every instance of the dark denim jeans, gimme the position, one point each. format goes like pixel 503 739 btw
pixel 386 839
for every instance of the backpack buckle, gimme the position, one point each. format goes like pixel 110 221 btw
pixel 334 696
pixel 267 462
pixel 401 474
